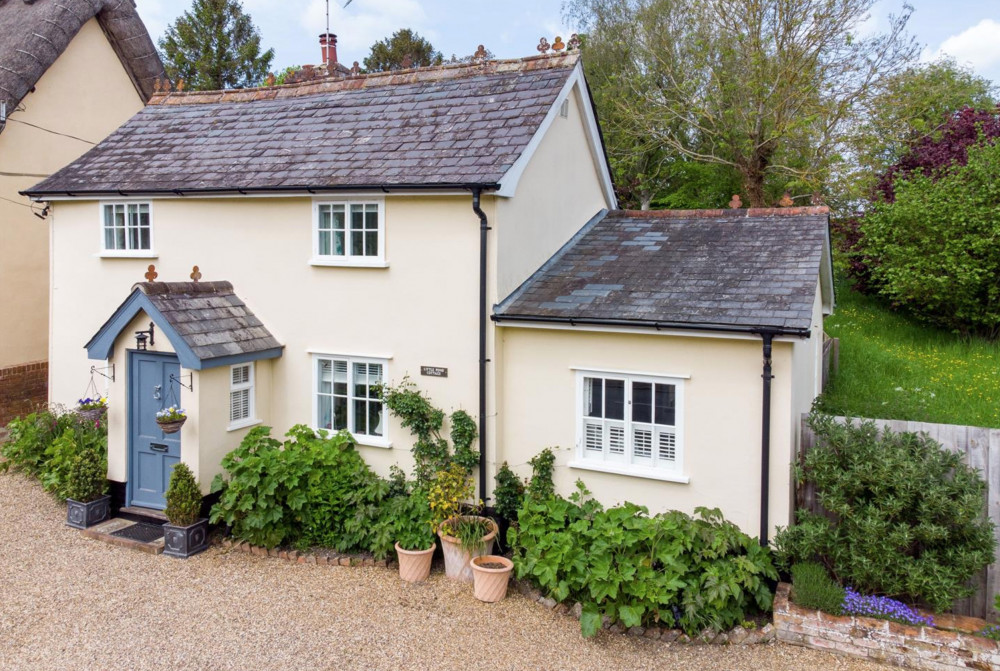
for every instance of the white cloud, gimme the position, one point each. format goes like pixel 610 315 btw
pixel 978 46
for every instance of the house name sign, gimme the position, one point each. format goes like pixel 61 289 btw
pixel 434 371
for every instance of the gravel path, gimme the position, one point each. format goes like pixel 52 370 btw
pixel 67 602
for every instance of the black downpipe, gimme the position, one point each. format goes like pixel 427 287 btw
pixel 765 437
pixel 483 229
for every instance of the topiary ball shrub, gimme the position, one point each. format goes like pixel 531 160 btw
pixel 905 517
pixel 87 479
pixel 183 497
pixel 812 587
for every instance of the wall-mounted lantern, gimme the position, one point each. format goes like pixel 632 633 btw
pixel 142 338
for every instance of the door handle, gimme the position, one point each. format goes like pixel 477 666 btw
pixel 156 392
pixel 158 447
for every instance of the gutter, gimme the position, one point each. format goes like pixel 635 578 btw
pixel 483 231
pixel 654 325
pixel 239 191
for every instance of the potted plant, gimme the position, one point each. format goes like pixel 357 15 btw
pixel 171 419
pixel 92 409
pixel 186 533
pixel 414 536
pixel 87 502
pixel 464 534
pixel 491 575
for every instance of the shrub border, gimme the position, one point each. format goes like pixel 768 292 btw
pixel 881 640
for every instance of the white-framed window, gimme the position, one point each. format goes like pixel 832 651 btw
pixel 241 395
pixel 346 397
pixel 126 229
pixel 349 232
pixel 629 423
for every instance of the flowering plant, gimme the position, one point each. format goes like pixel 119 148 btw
pixel 171 414
pixel 99 403
pixel 991 632
pixel 884 608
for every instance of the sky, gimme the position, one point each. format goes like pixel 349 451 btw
pixel 968 30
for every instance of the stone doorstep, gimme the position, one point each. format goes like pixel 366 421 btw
pixel 103 531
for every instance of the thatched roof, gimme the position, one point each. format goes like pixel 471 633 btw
pixel 36 32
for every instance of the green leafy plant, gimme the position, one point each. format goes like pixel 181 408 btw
pixel 622 563
pixel 30 440
pixel 412 520
pixel 448 493
pixel 508 493
pixel 907 519
pixel 86 477
pixel 469 530
pixel 812 587
pixel 542 465
pixel 431 452
pixel 183 497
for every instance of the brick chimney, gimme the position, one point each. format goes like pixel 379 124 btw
pixel 328 45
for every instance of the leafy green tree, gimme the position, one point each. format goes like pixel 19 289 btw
pixel 769 88
pixel 405 46
pixel 933 250
pixel 215 45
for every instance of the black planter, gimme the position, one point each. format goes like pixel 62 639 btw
pixel 182 542
pixel 83 515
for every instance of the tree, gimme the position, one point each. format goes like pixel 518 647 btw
pixel 766 87
pixel 215 45
pixel 913 107
pixel 404 49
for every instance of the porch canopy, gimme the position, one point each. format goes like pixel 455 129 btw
pixel 207 324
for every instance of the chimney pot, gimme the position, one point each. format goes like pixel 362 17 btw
pixel 328 47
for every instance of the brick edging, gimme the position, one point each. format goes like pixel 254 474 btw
pixel 320 558
pixel 881 640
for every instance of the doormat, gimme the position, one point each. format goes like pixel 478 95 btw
pixel 141 531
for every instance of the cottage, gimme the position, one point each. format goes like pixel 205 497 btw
pixel 268 256
pixel 70 73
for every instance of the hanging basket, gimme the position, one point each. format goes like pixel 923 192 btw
pixel 93 414
pixel 171 426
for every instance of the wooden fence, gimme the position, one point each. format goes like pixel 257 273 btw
pixel 980 448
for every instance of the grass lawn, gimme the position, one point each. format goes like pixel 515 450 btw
pixel 893 367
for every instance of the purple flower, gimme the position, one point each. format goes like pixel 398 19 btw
pixel 883 608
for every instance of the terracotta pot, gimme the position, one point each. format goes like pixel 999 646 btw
pixel 415 565
pixel 456 558
pixel 171 427
pixel 491 583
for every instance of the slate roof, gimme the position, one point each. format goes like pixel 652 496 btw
pixel 36 32
pixel 209 317
pixel 718 269
pixel 444 126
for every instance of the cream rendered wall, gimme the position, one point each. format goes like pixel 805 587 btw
pixel 558 193
pixel 421 310
pixel 807 358
pixel 85 93
pixel 722 416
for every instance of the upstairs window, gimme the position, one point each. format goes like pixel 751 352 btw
pixel 349 233
pixel 629 422
pixel 127 227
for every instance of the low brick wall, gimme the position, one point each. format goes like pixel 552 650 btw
pixel 23 389
pixel 880 640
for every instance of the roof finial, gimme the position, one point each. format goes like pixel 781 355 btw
pixel 558 45
pixel 574 42
pixel 480 56
pixel 157 85
pixel 543 46
pixel 195 274
pixel 151 273
pixel 736 203
pixel 355 69
pixel 180 85
pixel 786 200
pixel 270 79
pixel 407 62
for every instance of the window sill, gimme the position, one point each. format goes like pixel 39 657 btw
pixel 144 254
pixel 246 423
pixel 367 441
pixel 631 471
pixel 348 263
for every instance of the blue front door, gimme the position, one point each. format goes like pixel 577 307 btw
pixel 152 453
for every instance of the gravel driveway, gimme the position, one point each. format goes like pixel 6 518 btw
pixel 67 602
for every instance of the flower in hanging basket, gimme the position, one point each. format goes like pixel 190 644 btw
pixel 92 409
pixel 99 403
pixel 171 419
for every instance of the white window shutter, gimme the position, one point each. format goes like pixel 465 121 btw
pixel 642 442
pixel 593 437
pixel 616 439
pixel 667 446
